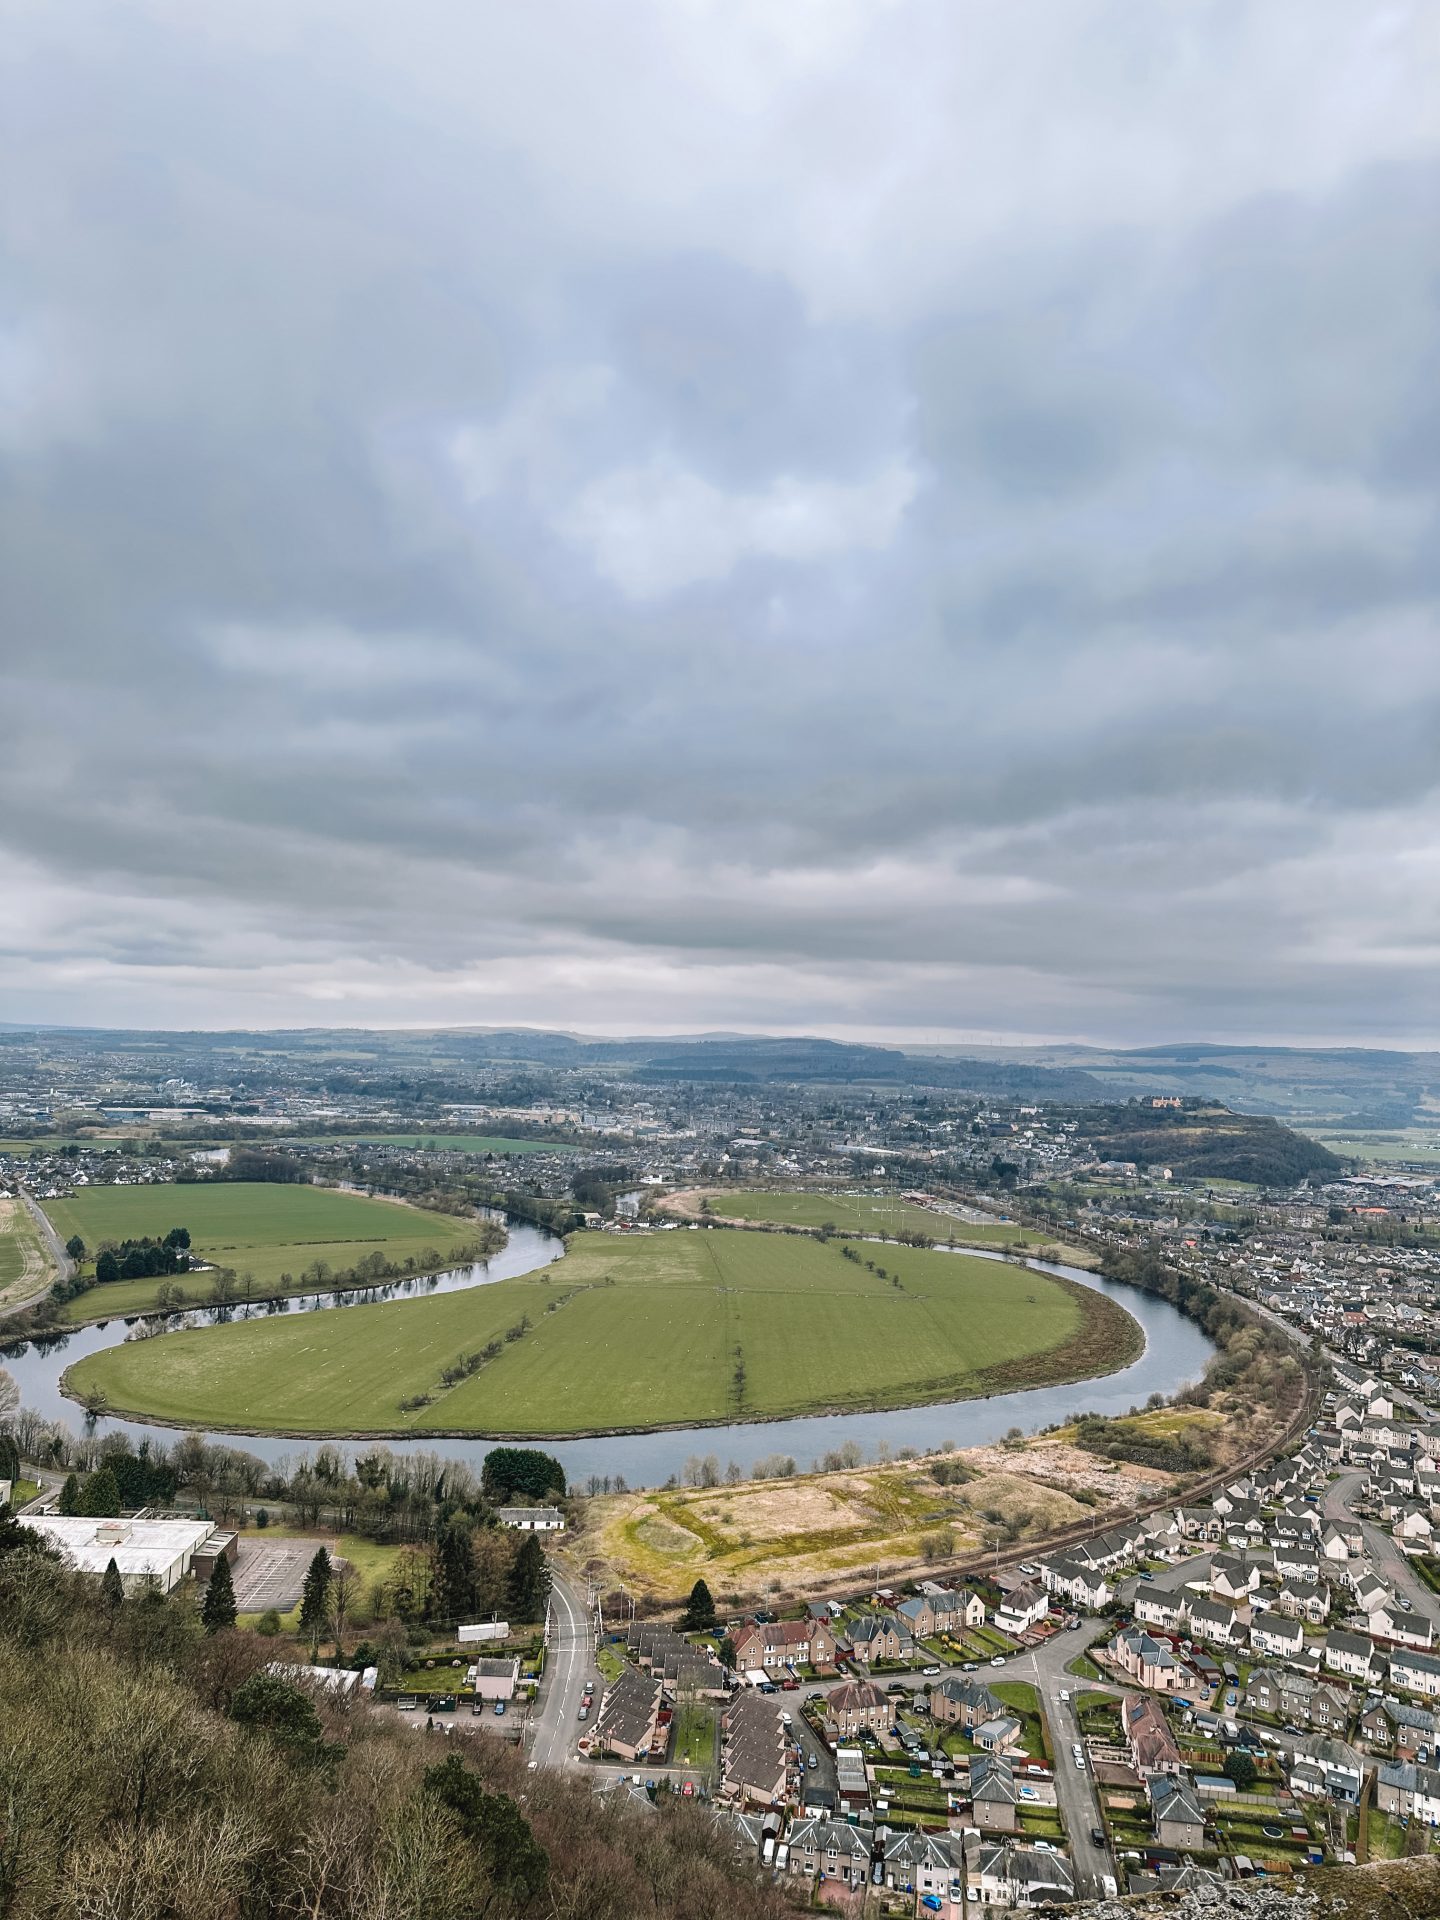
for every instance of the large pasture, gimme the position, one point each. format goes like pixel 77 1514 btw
pixel 885 1215
pixel 253 1227
pixel 664 1330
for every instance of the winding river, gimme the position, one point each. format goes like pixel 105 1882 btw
pixel 1176 1352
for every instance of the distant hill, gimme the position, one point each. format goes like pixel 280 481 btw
pixel 1309 1086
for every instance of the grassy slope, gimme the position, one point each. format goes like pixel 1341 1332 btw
pixel 255 1228
pixel 642 1333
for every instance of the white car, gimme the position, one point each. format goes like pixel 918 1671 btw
pixel 1077 1749
pixel 998 1661
pixel 1080 1761
pixel 784 1719
pixel 930 1672
pixel 1064 1693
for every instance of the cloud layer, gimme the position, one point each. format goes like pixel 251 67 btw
pixel 888 518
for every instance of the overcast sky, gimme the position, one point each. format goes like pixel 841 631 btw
pixel 906 520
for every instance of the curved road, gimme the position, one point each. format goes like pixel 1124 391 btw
pixel 569 1663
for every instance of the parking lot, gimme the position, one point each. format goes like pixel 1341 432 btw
pixel 273 1574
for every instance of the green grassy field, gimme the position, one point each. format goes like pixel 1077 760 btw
pixel 25 1263
pixel 663 1330
pixel 873 1213
pixel 499 1144
pixel 254 1227
pixel 1420 1145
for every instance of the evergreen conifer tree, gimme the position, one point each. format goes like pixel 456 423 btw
pixel 112 1587
pixel 315 1597
pixel 218 1609
pixel 699 1614
pixel 529 1581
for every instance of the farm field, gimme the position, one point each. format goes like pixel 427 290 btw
pixel 669 1329
pixel 259 1228
pixel 25 1262
pixel 862 1213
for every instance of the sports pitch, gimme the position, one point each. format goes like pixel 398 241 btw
pixel 669 1329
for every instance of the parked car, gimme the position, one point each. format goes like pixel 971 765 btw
pixel 584 1714
pixel 931 1673
pixel 998 1661
pixel 971 1666
pixel 499 1709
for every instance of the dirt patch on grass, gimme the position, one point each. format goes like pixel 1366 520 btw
pixel 1070 1470
pixel 771 1509
pixel 788 1538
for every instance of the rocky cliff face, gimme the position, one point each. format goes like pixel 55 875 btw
pixel 1396 1890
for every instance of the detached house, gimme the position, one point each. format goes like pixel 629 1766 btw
pixel 1403 1624
pixel 1305 1600
pixel 1275 1636
pixel 1147 1733
pixel 1023 1607
pixel 1148 1661
pixel 1352 1654
pixel 1233 1579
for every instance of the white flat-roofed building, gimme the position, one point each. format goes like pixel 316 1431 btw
pixel 143 1550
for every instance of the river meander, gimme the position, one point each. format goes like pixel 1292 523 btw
pixel 1176 1352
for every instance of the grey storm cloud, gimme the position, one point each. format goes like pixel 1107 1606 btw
pixel 895 518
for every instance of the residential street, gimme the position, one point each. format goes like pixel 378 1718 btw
pixel 554 1726
pixel 1074 1787
pixel 1380 1548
